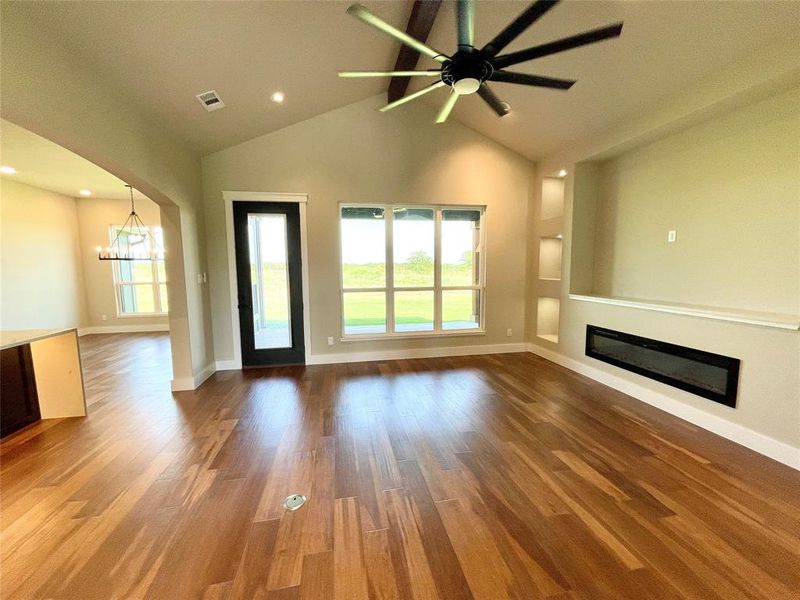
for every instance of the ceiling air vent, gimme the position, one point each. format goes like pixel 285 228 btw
pixel 210 100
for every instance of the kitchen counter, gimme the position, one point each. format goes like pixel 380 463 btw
pixel 17 337
pixel 41 377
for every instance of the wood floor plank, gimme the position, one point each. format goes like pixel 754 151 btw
pixel 489 477
pixel 380 571
pixel 250 580
pixel 350 581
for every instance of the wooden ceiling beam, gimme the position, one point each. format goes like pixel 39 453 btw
pixel 423 14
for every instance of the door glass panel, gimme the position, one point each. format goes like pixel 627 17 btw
pixel 413 247
pixel 461 309
pixel 269 275
pixel 413 311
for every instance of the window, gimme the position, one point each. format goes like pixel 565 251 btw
pixel 141 285
pixel 411 270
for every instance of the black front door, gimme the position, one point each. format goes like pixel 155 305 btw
pixel 269 277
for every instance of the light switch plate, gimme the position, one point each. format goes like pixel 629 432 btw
pixel 672 235
pixel 330 341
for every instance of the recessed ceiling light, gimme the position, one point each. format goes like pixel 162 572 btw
pixel 277 97
pixel 85 192
pixel 562 173
pixel 7 170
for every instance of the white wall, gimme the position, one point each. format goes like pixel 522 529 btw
pixel 356 154
pixel 50 92
pixel 41 272
pixel 95 216
pixel 730 188
pixel 748 154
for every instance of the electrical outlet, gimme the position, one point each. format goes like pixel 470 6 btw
pixel 509 333
pixel 104 317
pixel 672 235
pixel 330 341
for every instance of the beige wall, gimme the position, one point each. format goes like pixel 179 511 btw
pixel 51 93
pixel 356 154
pixel 41 273
pixel 95 216
pixel 731 187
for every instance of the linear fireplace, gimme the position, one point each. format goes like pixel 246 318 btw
pixel 709 375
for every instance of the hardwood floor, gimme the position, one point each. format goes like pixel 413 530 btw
pixel 499 476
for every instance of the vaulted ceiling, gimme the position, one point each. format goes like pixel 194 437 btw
pixel 161 54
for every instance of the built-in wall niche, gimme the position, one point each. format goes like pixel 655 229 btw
pixel 552 198
pixel 670 224
pixel 547 319
pixel 550 258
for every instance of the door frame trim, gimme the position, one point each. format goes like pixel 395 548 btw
pixel 229 197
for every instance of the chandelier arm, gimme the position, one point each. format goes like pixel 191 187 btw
pixel 115 241
pixel 133 226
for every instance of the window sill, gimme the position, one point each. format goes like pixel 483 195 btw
pixel 142 315
pixel 410 336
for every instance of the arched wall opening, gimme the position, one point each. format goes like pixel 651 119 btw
pixel 180 335
pixel 49 92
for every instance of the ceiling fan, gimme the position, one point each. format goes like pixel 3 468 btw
pixel 469 69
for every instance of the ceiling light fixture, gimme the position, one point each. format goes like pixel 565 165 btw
pixel 469 70
pixel 85 192
pixel 277 97
pixel 562 173
pixel 6 170
pixel 132 241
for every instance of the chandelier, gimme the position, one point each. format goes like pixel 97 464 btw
pixel 132 240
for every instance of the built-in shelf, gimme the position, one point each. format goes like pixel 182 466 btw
pixel 547 319
pixel 552 198
pixel 749 317
pixel 550 258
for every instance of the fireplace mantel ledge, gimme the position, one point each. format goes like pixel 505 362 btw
pixel 749 317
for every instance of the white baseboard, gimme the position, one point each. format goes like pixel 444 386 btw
pixel 121 329
pixel 187 384
pixel 349 357
pixel 774 449
pixel 228 365
pixel 184 384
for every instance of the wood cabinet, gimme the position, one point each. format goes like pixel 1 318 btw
pixel 19 401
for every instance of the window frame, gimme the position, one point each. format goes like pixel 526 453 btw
pixel 389 289
pixel 155 283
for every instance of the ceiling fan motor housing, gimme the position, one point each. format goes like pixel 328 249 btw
pixel 466 71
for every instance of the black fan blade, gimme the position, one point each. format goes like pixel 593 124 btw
pixel 465 22
pixel 536 80
pixel 575 41
pixel 363 15
pixel 447 107
pixel 417 94
pixel 517 26
pixel 497 105
pixel 358 74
